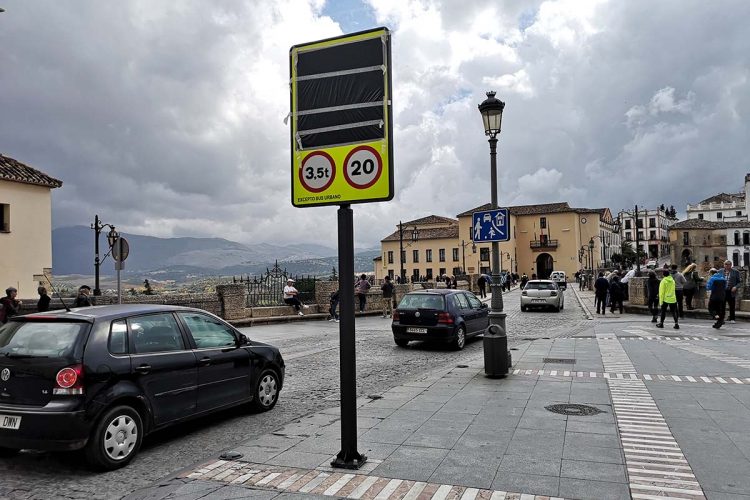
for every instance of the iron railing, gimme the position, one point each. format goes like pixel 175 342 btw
pixel 268 288
pixel 543 244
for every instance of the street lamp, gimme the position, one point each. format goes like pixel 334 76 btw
pixel 401 256
pixel 97 226
pixel 492 116
pixel 591 254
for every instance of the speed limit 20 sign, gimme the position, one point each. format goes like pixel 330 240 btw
pixel 341 137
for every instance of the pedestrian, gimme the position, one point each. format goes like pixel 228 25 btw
pixel 668 299
pixel 652 288
pixel 679 282
pixel 291 297
pixel 83 299
pixel 734 283
pixel 616 294
pixel 447 280
pixel 524 280
pixel 44 300
pixel 717 301
pixel 601 287
pixel 9 305
pixel 692 282
pixel 360 289
pixel 482 283
pixel 333 304
pixel 387 289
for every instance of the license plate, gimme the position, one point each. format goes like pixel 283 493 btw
pixel 416 330
pixel 10 422
pixel 538 300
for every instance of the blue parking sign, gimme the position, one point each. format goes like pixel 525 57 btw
pixel 490 225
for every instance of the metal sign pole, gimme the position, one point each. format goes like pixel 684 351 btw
pixel 348 457
pixel 118 266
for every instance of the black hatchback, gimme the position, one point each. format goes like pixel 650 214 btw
pixel 101 378
pixel 444 315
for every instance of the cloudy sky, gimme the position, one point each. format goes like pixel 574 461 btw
pixel 167 118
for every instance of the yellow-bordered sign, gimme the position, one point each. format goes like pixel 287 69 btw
pixel 341 136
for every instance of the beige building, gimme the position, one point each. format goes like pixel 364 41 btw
pixel 25 225
pixel 705 242
pixel 544 238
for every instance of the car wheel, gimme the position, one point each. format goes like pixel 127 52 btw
pixel 401 342
pixel 115 439
pixel 523 308
pixel 460 341
pixel 8 452
pixel 266 391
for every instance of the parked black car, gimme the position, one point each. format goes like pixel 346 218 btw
pixel 101 378
pixel 444 315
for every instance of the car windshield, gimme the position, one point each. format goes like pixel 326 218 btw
pixel 422 301
pixel 540 285
pixel 39 339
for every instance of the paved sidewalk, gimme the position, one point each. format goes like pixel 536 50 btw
pixel 670 421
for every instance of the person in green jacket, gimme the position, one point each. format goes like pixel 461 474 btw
pixel 667 298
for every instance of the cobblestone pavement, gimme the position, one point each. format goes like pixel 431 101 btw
pixel 310 349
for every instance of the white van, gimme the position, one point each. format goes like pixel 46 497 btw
pixel 560 278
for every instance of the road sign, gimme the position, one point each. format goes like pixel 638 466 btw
pixel 341 120
pixel 490 225
pixel 120 249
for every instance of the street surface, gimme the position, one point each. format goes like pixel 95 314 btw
pixel 310 349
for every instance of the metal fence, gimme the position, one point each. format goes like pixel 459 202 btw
pixel 268 288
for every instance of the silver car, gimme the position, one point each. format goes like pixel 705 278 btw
pixel 542 293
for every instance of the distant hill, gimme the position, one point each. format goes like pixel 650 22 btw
pixel 178 258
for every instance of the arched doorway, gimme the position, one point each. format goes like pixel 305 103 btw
pixel 544 266
pixel 686 259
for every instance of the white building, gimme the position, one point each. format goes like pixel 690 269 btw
pixel 25 226
pixel 651 230
pixel 723 207
pixel 738 243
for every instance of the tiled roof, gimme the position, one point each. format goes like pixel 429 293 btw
pixel 724 198
pixel 536 209
pixel 15 171
pixel 427 233
pixel 430 219
pixel 698 224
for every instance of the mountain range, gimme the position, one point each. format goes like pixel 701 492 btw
pixel 182 258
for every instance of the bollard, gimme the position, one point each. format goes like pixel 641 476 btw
pixel 497 359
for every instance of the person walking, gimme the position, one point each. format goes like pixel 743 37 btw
pixel 387 290
pixel 616 295
pixel 291 297
pixel 734 283
pixel 717 301
pixel 668 299
pixel 524 280
pixel 9 305
pixel 692 281
pixel 652 288
pixel 333 303
pixel 679 282
pixel 83 299
pixel 44 300
pixel 482 284
pixel 360 289
pixel 601 287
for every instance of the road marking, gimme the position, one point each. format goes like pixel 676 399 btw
pixel 692 379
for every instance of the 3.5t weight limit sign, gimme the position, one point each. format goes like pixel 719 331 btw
pixel 317 172
pixel 362 167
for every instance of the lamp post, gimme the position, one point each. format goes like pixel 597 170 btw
pixel 97 226
pixel 401 256
pixel 492 117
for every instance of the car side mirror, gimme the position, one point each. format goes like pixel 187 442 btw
pixel 243 339
pixel 484 305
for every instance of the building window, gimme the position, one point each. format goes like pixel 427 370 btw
pixel 543 222
pixel 746 238
pixel 746 259
pixel 718 215
pixel 627 224
pixel 736 258
pixel 738 213
pixel 651 222
pixel 429 273
pixel 403 256
pixel 736 237
pixel 705 258
pixel 628 237
pixel 4 218
pixel 428 255
pixel 639 223
pixel 441 254
pixel 700 216
pixel 442 271
pixel 455 254
pixel 390 256
pixel 685 238
pixel 652 235
pixel 640 235
pixel 484 254
pixel 415 255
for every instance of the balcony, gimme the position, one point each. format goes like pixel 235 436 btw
pixel 541 244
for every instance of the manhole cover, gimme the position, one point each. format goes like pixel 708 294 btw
pixel 573 409
pixel 569 361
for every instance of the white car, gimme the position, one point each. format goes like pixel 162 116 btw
pixel 542 293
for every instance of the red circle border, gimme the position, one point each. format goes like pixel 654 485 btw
pixel 380 167
pixel 333 171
